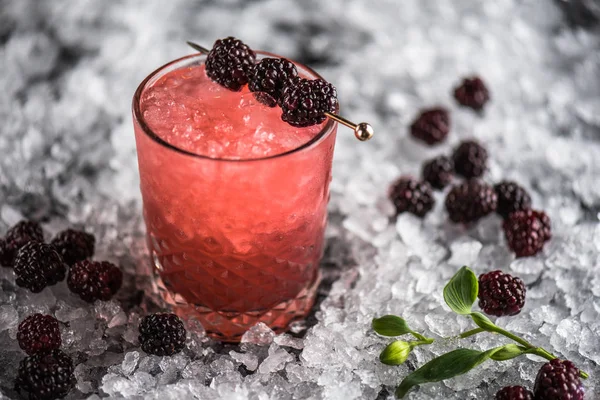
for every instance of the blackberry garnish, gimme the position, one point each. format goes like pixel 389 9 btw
pixel 38 332
pixel 514 393
pixel 558 380
pixel 501 294
pixel 527 231
pixel 470 159
pixel 93 280
pixel 470 201
pixel 229 62
pixel 269 77
pixel 162 334
pixel 38 265
pixel 74 245
pixel 45 376
pixel 431 126
pixel 511 198
pixel 305 101
pixel 410 195
pixel 438 172
pixel 472 93
pixel 16 237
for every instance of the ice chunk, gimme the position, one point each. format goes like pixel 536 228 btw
pixel 259 334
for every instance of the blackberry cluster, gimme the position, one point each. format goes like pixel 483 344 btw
pixel 470 201
pixel 470 159
pixel 16 237
pixel 410 195
pixel 511 198
pixel 432 126
pixel 558 380
pixel 46 375
pixel 269 77
pixel 93 280
pixel 438 172
pixel 74 245
pixel 229 62
pixel 37 333
pixel 527 231
pixel 472 93
pixel 305 102
pixel 501 294
pixel 514 393
pixel 162 334
pixel 38 265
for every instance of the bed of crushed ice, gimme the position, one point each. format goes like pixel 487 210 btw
pixel 68 70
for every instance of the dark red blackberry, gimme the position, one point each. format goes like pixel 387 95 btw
pixel 268 78
pixel 511 198
pixel 501 294
pixel 514 393
pixel 94 280
pixel 229 62
pixel 410 195
pixel 38 332
pixel 431 126
pixel 526 232
pixel 38 265
pixel 470 159
pixel 438 172
pixel 16 237
pixel 558 380
pixel 472 93
pixel 162 334
pixel 74 245
pixel 45 376
pixel 305 101
pixel 470 201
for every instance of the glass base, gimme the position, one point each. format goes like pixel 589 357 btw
pixel 230 326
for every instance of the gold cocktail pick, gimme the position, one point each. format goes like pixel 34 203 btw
pixel 363 131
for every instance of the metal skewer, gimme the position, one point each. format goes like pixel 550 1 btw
pixel 363 131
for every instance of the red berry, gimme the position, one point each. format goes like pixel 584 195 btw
pixel 470 201
pixel 269 77
pixel 410 195
pixel 511 198
pixel 93 280
pixel 470 159
pixel 527 231
pixel 431 126
pixel 38 265
pixel 514 393
pixel 304 102
pixel 74 245
pixel 39 332
pixel 558 380
pixel 162 334
pixel 16 237
pixel 472 93
pixel 438 172
pixel 229 63
pixel 501 294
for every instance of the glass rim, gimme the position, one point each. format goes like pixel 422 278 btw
pixel 329 126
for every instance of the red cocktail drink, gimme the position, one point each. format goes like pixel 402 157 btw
pixel 235 200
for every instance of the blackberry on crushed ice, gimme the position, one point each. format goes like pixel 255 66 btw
pixel 94 280
pixel 438 172
pixel 305 102
pixel 470 201
pixel 472 93
pixel 511 198
pixel 162 334
pixel 16 237
pixel 558 380
pixel 470 159
pixel 431 126
pixel 269 77
pixel 514 393
pixel 501 294
pixel 38 332
pixel 527 231
pixel 74 245
pixel 411 195
pixel 229 62
pixel 38 265
pixel 46 375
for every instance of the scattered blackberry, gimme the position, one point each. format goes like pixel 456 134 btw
pixel 470 159
pixel 268 78
pixel 470 201
pixel 229 62
pixel 472 93
pixel 162 334
pixel 38 332
pixel 511 198
pixel 501 294
pixel 74 245
pixel 438 172
pixel 431 126
pixel 93 280
pixel 16 237
pixel 38 265
pixel 514 393
pixel 410 195
pixel 558 380
pixel 45 376
pixel 526 232
pixel 305 101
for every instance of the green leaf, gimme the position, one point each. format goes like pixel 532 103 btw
pixel 449 365
pixel 508 352
pixel 390 325
pixel 483 322
pixel 395 353
pixel 461 292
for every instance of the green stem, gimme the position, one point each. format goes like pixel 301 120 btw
pixel 422 339
pixel 470 333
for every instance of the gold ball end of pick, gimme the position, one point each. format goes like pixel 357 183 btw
pixel 363 131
